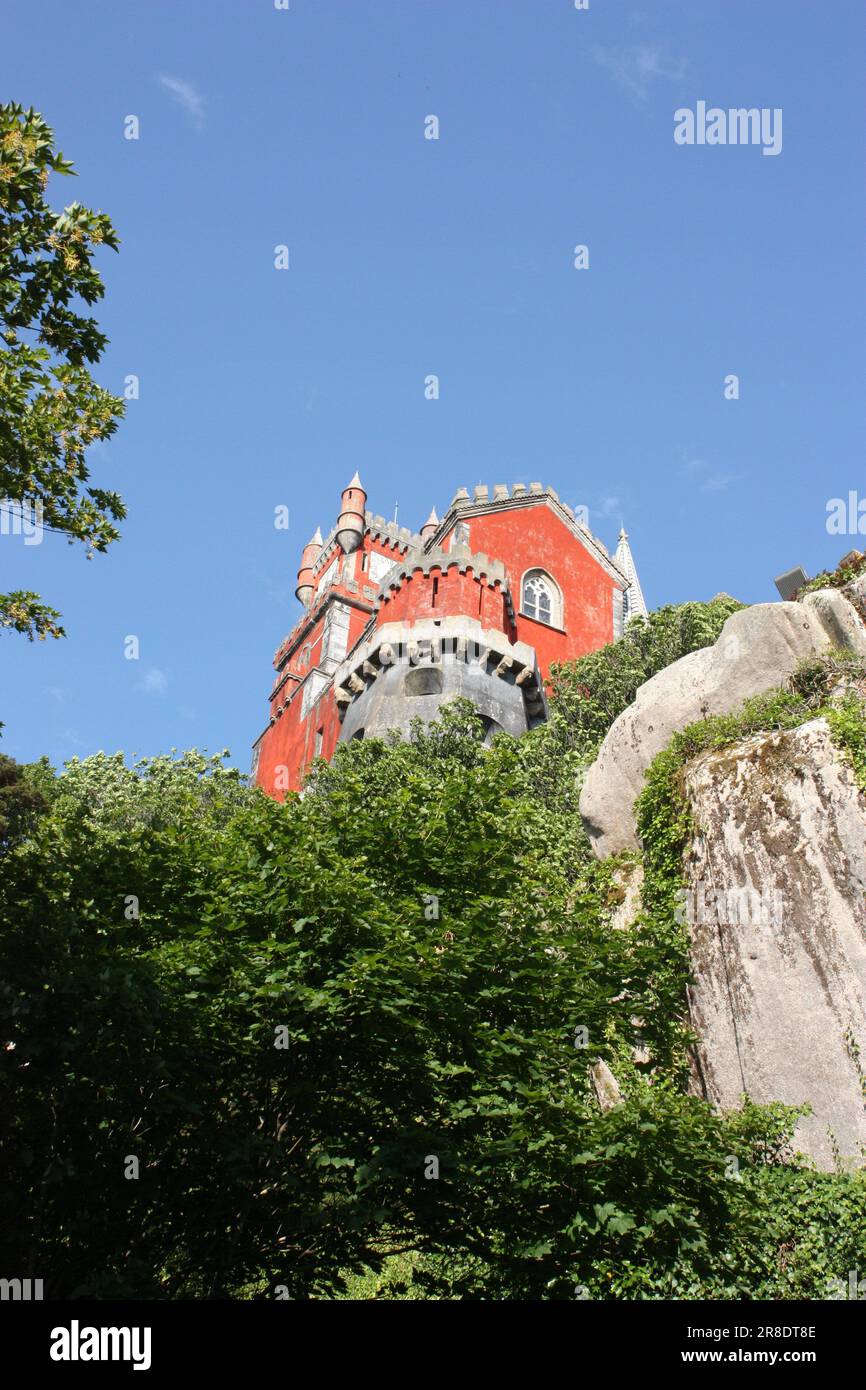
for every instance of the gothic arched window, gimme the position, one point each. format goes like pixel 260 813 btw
pixel 541 599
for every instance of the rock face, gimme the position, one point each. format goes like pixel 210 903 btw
pixel 757 650
pixel 628 878
pixel 777 909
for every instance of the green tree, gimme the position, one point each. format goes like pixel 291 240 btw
pixel 285 1012
pixel 21 799
pixel 51 409
pixel 399 931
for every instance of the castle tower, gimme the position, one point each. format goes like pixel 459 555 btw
pixel 444 627
pixel 511 584
pixel 634 605
pixel 350 523
pixel 310 554
pixel 395 625
pixel 430 527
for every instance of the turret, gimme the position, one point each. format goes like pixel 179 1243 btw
pixel 311 552
pixel 350 524
pixel 634 604
pixel 430 527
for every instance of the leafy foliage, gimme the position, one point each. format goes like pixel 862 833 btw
pixel 154 1034
pixel 52 410
pixel 847 721
pixel 21 803
pixel 23 611
pixel 850 568
pixel 418 941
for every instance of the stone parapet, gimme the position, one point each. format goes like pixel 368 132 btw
pixel 463 506
pixel 406 670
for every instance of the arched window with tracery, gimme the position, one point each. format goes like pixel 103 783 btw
pixel 541 599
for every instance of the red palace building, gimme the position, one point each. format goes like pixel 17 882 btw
pixel 478 604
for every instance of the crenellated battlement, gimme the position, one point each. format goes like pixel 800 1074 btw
pixel 483 496
pixel 401 671
pixel 378 529
pixel 486 570
pixel 516 498
pixel 381 530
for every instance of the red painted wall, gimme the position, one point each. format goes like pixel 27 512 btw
pixel 290 742
pixel 445 594
pixel 535 538
pixel 287 747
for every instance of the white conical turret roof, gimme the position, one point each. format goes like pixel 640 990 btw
pixel 634 604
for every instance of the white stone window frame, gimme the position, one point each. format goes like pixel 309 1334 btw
pixel 335 633
pixel 329 577
pixel 557 608
pixel 314 687
pixel 379 565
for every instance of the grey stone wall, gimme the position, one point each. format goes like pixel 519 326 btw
pixel 407 671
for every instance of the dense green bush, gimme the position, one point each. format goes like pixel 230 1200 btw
pixel 403 924
pixel 292 1016
pixel 20 804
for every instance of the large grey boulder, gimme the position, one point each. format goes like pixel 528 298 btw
pixel 758 649
pixel 777 912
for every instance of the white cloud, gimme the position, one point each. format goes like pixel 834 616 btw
pixel 191 101
pixel 153 682
pixel 718 483
pixel 710 481
pixel 637 68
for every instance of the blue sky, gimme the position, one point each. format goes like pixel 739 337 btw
pixel 261 127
